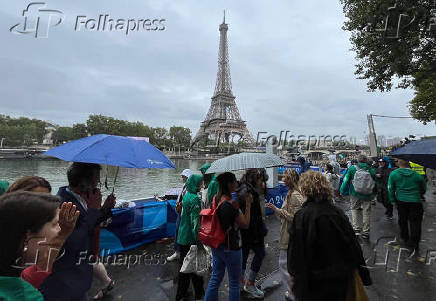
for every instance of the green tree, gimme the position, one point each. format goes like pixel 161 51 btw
pixel 395 40
pixel 99 124
pixel 423 106
pixel 21 131
pixel 80 130
pixel 180 136
pixel 159 137
pixel 63 134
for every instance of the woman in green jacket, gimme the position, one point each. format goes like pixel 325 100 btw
pixel 188 235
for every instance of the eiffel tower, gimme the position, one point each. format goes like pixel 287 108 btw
pixel 223 122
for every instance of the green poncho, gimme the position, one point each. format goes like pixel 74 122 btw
pixel 4 185
pixel 213 187
pixel 190 219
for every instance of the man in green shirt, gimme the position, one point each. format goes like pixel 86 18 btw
pixel 406 188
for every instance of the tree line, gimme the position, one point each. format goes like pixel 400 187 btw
pixel 25 131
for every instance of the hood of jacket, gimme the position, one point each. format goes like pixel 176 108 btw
pixel 204 168
pixel 363 166
pixel 406 172
pixel 192 183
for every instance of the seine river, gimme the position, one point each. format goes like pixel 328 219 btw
pixel 131 183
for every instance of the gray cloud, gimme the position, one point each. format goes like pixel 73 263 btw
pixel 290 63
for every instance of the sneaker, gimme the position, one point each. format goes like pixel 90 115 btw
pixel 242 284
pixel 173 257
pixel 253 291
pixel 357 231
pixel 288 296
pixel 365 235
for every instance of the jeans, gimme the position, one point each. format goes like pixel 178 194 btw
pixel 222 259
pixel 361 214
pixel 410 214
pixel 176 245
pixel 256 263
pixel 185 279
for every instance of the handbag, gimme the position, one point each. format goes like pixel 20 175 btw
pixel 356 291
pixel 198 260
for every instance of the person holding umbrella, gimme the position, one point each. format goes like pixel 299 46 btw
pixel 253 237
pixel 71 275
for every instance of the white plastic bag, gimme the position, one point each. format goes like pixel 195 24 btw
pixel 198 260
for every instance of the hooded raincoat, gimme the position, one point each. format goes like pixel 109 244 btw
pixel 190 218
pixel 213 187
pixel 4 185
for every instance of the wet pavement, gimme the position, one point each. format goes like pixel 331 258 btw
pixel 397 274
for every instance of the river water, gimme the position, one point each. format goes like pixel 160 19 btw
pixel 131 183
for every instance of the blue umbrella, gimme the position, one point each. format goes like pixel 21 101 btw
pixel 422 152
pixel 112 150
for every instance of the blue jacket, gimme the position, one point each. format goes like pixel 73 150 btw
pixel 71 275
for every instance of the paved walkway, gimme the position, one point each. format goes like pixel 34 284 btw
pixel 396 275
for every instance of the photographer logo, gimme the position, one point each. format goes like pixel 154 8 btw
pixel 38 19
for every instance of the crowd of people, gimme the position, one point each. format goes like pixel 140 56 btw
pixel 311 266
pixel 52 239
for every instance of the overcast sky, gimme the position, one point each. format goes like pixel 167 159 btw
pixel 290 63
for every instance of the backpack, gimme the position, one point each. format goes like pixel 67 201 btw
pixel 211 233
pixel 363 182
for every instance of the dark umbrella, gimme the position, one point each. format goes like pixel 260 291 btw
pixel 422 152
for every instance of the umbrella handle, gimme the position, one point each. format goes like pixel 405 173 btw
pixel 115 179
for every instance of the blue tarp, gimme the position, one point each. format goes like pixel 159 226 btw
pixel 150 220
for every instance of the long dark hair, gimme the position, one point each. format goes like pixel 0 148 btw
pixel 28 183
pixel 22 212
pixel 224 180
pixel 81 175
pixel 250 176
